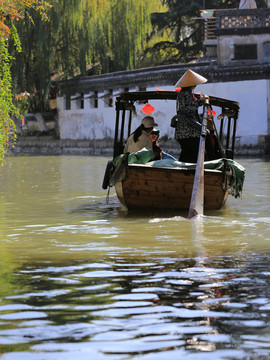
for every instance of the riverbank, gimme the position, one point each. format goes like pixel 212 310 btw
pixel 49 145
pixel 104 147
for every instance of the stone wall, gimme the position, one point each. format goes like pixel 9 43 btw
pixel 50 146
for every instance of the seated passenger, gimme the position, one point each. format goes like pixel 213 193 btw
pixel 154 135
pixel 159 154
pixel 140 137
pixel 214 151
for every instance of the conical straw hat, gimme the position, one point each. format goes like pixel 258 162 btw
pixel 190 78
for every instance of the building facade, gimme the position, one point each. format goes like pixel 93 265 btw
pixel 236 64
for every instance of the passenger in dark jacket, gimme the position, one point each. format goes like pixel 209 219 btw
pixel 154 135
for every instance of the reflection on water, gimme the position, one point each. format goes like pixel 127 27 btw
pixel 80 278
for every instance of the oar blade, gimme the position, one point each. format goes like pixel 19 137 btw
pixel 197 198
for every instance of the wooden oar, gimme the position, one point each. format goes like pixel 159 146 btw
pixel 197 197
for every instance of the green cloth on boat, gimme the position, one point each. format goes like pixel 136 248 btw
pixel 139 157
pixel 238 171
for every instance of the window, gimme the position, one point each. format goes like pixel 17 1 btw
pixel 142 88
pixel 67 104
pixel 266 51
pixel 108 98
pixel 94 100
pixel 245 52
pixel 80 101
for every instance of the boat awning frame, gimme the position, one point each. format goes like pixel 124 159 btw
pixel 125 102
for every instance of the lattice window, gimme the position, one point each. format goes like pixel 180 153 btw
pixel 247 21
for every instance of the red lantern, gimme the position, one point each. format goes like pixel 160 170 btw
pixel 212 112
pixel 148 109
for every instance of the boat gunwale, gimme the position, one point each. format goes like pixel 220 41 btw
pixel 178 168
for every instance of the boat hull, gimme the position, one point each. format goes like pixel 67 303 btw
pixel 145 186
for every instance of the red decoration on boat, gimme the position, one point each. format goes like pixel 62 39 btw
pixel 212 112
pixel 148 109
pixel 178 89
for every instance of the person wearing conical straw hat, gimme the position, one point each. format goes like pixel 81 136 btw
pixel 188 125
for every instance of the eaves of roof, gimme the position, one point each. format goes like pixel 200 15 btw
pixel 166 75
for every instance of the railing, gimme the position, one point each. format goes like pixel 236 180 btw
pixel 236 22
pixel 210 29
pixel 209 24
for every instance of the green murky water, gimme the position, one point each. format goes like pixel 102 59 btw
pixel 80 278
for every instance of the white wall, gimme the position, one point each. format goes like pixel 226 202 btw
pixel 252 98
pixel 87 123
pixel 91 123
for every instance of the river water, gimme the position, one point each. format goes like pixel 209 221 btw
pixel 79 278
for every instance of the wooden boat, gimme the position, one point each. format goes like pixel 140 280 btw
pixel 148 185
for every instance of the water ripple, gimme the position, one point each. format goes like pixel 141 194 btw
pixel 119 309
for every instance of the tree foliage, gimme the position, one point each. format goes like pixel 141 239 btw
pixel 83 37
pixel 11 11
pixel 184 30
pixel 86 37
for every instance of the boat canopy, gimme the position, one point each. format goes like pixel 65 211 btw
pixel 126 105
